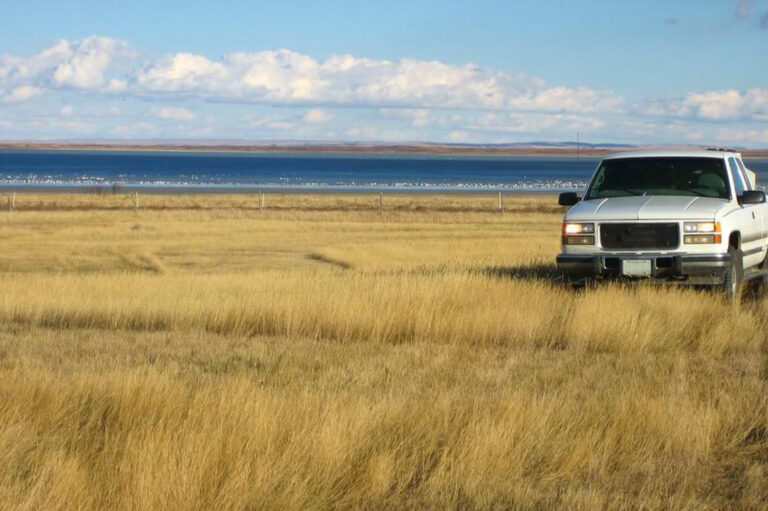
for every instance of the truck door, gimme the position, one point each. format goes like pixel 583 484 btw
pixel 752 185
pixel 752 246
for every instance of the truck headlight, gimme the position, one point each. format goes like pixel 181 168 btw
pixel 701 227
pixel 578 233
pixel 702 233
pixel 573 228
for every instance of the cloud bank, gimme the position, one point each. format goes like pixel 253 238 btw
pixel 78 64
pixel 342 96
pixel 288 78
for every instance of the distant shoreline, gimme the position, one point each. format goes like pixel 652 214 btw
pixel 395 149
pixel 181 189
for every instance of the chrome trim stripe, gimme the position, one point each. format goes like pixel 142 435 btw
pixel 708 257
pixel 683 257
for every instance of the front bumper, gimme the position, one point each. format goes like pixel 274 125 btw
pixel 694 268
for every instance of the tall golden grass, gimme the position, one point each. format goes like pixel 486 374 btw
pixel 325 356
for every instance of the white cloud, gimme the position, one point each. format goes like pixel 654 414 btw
pixel 531 123
pixel 77 64
pixel 284 76
pixel 458 136
pixel 173 113
pixel 84 62
pixel 116 85
pixel 287 77
pixel 137 129
pixel 281 125
pixel 663 130
pixel 270 123
pixel 66 110
pixel 277 75
pixel 317 115
pixel 183 72
pixel 724 105
pixel 369 132
pixel 564 99
pixel 22 93
pixel 46 126
pixel 729 104
pixel 662 107
pixel 743 136
pixel 418 117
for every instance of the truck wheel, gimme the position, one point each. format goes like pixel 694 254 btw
pixel 733 276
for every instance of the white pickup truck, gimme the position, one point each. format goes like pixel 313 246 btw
pixel 689 216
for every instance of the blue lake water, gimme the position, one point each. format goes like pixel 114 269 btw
pixel 300 170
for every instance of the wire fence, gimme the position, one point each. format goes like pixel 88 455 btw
pixel 265 202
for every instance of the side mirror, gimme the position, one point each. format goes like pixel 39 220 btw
pixel 752 197
pixel 570 198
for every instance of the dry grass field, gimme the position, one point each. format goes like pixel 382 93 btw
pixel 198 354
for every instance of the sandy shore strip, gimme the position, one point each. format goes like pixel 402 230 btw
pixel 163 189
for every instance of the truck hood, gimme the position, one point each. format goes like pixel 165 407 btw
pixel 652 207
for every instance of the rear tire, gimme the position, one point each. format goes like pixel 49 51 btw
pixel 732 279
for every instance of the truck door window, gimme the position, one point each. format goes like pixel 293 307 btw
pixel 744 175
pixel 738 182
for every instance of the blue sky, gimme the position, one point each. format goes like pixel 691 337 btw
pixel 482 72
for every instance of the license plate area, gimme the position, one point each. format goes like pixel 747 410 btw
pixel 636 267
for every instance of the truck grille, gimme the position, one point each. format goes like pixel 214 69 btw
pixel 640 236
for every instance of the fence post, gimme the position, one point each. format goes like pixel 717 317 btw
pixel 11 201
pixel 135 201
pixel 501 203
pixel 381 203
pixel 261 201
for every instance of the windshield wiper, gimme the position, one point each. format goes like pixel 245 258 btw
pixel 632 193
pixel 688 191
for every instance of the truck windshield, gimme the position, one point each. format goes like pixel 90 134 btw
pixel 624 177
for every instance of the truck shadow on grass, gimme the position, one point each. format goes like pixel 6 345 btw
pixel 752 292
pixel 535 272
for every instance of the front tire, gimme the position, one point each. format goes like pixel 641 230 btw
pixel 732 279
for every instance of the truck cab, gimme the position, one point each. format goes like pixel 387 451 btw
pixel 694 217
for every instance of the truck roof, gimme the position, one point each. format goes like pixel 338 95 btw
pixel 674 154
